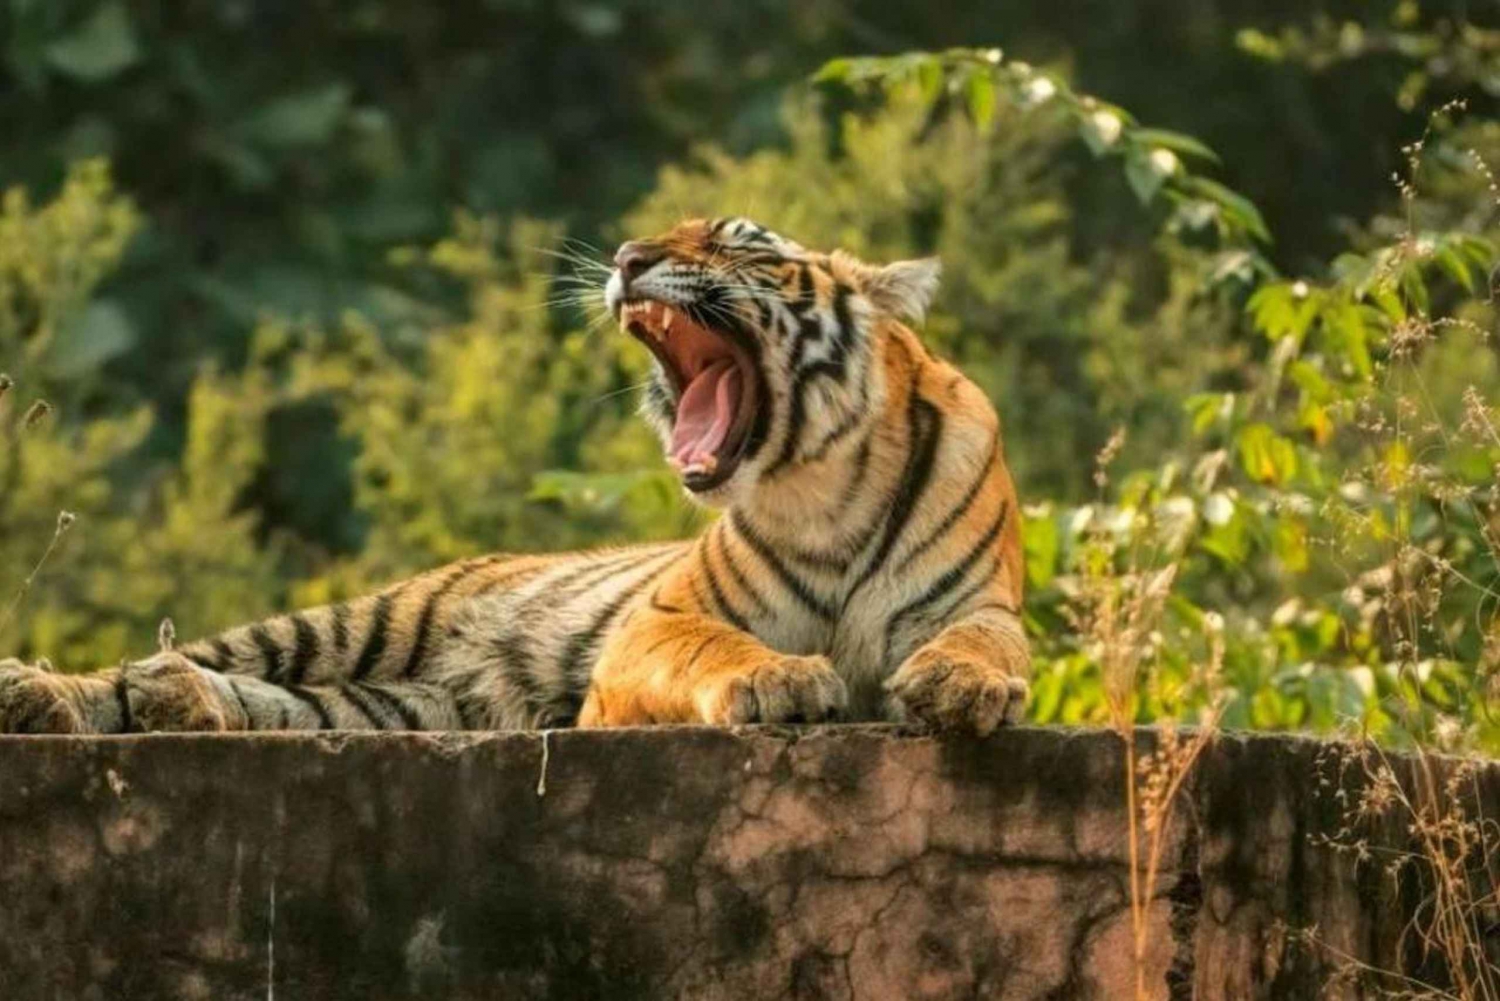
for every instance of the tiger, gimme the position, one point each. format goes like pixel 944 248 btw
pixel 865 563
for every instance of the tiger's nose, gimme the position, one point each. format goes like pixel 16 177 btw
pixel 635 258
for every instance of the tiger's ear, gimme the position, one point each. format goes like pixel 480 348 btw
pixel 905 288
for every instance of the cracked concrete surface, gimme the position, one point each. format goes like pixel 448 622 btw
pixel 849 863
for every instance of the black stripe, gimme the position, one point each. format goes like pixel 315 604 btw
pixel 740 580
pixel 795 584
pixel 721 601
pixel 807 294
pixel 616 568
pixel 239 697
pixel 926 429
pixel 380 624
pixel 949 579
pixel 698 651
pixel 861 470
pixel 834 367
pixel 959 511
pixel 845 427
pixel 835 561
pixel 306 649
pixel 224 651
pixel 590 572
pixel 575 654
pixel 429 610
pixel 325 721
pixel 705 604
pixel 519 663
pixel 200 658
pixel 122 696
pixel 390 700
pixel 467 710
pixel 270 651
pixel 510 576
pixel 353 696
pixel 657 606
pixel 985 578
pixel 341 626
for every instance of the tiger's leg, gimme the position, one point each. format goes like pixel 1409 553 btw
pixel 357 664
pixel 685 667
pixel 970 676
pixel 169 693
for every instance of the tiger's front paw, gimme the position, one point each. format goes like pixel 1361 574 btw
pixel 950 693
pixel 784 690
pixel 33 699
pixel 168 692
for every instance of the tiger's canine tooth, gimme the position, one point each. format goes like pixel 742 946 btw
pixel 668 317
pixel 704 465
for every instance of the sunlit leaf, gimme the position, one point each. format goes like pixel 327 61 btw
pixel 1175 141
pixel 980 94
pixel 1265 455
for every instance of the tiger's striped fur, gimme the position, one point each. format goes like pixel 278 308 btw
pixel 868 563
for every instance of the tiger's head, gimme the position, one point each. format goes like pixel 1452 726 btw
pixel 765 351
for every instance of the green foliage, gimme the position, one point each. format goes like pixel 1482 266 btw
pixel 1156 162
pixel 51 260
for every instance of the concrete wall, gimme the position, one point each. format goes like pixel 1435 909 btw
pixel 839 863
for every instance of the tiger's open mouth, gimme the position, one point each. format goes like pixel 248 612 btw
pixel 714 390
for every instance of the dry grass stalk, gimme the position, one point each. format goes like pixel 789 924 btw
pixel 1118 613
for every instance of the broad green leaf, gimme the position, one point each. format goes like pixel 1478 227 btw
pixel 1206 409
pixel 1414 287
pixel 1452 262
pixel 1041 546
pixel 1290 544
pixel 98 49
pixel 97 335
pixel 1266 456
pixel 308 118
pixel 1238 206
pixel 834 71
pixel 929 73
pixel 1144 178
pixel 980 93
pixel 1176 142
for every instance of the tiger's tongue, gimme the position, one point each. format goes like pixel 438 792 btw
pixel 705 413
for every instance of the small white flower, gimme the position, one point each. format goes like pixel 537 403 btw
pixel 993 56
pixel 1300 289
pixel 1164 162
pixel 1080 520
pixel 1177 508
pixel 1108 125
pixel 1424 247
pixel 1040 89
pixel 1364 680
pixel 1122 520
pixel 1218 509
pixel 1286 612
pixel 1213 622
